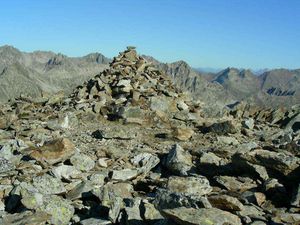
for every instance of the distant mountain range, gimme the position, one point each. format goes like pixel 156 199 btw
pixel 48 72
pixel 41 71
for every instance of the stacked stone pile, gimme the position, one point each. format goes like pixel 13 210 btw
pixel 135 90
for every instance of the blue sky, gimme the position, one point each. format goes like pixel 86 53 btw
pixel 205 33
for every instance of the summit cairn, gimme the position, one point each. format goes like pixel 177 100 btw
pixel 134 90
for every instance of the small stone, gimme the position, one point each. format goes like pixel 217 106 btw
pixel 167 199
pixel 2 205
pixel 102 162
pixel 296 197
pixel 65 172
pixel 33 201
pixel 151 213
pixel 183 134
pixel 98 179
pixel 248 123
pixel 132 212
pixel 5 166
pixel 210 159
pixel 95 221
pixel 79 190
pixel 124 175
pixel 82 162
pixel 145 162
pixel 182 106
pixel 227 140
pixel 223 128
pixel 257 198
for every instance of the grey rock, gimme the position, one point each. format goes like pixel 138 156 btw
pixel 98 179
pixel 95 221
pixel 198 185
pixel 182 106
pixel 210 159
pixel 65 172
pixel 296 197
pixel 82 162
pixel 159 103
pixel 27 217
pixel 251 211
pixel 132 212
pixel 78 191
pixel 166 199
pixel 60 209
pixel 283 162
pixel 222 128
pixel 32 200
pixel 5 166
pixel 236 183
pixel 151 213
pixel 178 160
pixel 248 123
pixel 124 175
pixel 227 140
pixel 48 185
pixel 225 202
pixel 193 216
pixel 145 162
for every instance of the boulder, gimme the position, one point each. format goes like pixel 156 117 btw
pixel 178 160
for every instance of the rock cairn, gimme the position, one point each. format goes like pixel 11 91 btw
pixel 132 89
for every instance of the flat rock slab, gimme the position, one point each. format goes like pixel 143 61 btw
pixel 27 217
pixel 82 162
pixel 54 151
pixel 191 216
pixel 189 185
pixel 48 185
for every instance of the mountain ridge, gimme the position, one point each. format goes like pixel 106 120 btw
pixel 46 71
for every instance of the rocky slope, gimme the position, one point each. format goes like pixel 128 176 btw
pixel 128 147
pixel 37 72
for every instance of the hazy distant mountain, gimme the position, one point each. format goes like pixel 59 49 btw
pixel 240 83
pixel 273 88
pixel 259 72
pixel 208 69
pixel 32 73
pixel 280 87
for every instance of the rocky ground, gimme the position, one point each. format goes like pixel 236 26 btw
pixel 127 147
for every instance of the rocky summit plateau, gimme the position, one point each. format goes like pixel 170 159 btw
pixel 128 146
